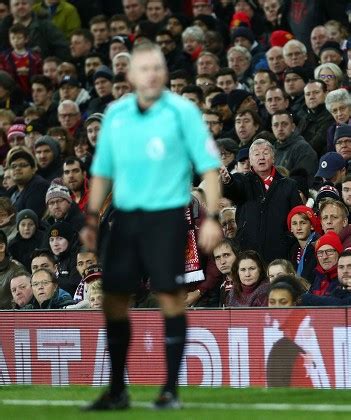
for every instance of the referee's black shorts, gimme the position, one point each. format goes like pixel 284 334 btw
pixel 145 243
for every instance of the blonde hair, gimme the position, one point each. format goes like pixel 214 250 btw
pixel 95 287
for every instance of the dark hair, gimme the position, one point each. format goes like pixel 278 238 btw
pixel 98 19
pixel 122 18
pixel 227 71
pixel 231 244
pixel 165 32
pixel 20 273
pixel 52 59
pixel 321 82
pixel 256 118
pixel 179 74
pixel 93 54
pixel 43 252
pixel 70 160
pixel 119 78
pixel 284 112
pixel 193 89
pixel 164 3
pixel 42 80
pixel 272 76
pixel 291 283
pixel 346 253
pixel 18 28
pixel 246 255
pixel 84 33
pixel 285 95
pixel 266 135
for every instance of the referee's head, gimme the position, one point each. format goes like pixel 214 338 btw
pixel 148 72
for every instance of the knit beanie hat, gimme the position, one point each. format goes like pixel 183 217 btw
pixel 51 142
pixel 313 218
pixel 103 71
pixel 331 45
pixel 243 32
pixel 300 71
pixel 16 130
pixel 58 191
pixel 280 38
pixel 236 98
pixel 327 190
pixel 228 144
pixel 330 238
pixel 92 273
pixel 27 214
pixel 63 230
pixel 343 130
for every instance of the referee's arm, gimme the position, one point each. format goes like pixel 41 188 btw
pixel 99 189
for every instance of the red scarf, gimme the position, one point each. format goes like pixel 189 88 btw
pixel 193 271
pixel 269 179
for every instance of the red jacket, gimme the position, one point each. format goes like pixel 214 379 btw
pixel 83 202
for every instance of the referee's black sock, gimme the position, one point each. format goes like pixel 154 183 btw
pixel 175 329
pixel 118 335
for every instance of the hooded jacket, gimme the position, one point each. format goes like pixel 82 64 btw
pixel 294 153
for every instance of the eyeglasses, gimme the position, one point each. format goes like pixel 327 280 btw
pixel 340 142
pixel 327 76
pixel 41 283
pixel 327 252
pixel 19 165
pixel 213 122
pixel 71 115
pixel 226 154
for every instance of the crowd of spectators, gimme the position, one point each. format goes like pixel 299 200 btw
pixel 272 80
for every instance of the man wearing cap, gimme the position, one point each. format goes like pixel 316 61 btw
pixel 342 142
pixel 242 161
pixel 16 134
pixel 244 37
pixel 314 125
pixel 332 167
pixel 48 155
pixel 291 149
pixel 70 88
pixel 261 222
pixel 295 79
pixel 8 268
pixel 92 125
pixel 30 188
pixel 334 217
pixel 328 248
pixel 330 52
pixel 62 208
pixel 103 86
pixel 33 131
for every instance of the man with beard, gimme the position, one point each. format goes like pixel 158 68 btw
pixel 75 179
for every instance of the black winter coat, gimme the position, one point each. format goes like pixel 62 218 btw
pixel 261 215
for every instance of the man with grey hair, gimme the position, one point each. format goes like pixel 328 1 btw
pixel 43 34
pixel 134 10
pixel 263 198
pixel 69 116
pixel 295 53
pixel 239 59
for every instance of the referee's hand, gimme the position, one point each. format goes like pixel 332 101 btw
pixel 210 235
pixel 88 238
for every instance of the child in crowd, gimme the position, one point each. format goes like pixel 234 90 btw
pixel 28 238
pixel 95 294
pixel 20 62
pixel 305 226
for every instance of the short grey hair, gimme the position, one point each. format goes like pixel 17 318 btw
pixel 242 50
pixel 194 32
pixel 338 95
pixel 68 102
pixel 334 68
pixel 221 213
pixel 294 43
pixel 261 142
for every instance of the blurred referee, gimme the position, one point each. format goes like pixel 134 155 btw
pixel 147 146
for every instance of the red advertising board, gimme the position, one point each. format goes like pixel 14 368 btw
pixel 239 348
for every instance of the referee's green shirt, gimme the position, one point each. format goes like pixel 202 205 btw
pixel 148 154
